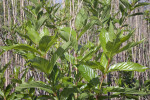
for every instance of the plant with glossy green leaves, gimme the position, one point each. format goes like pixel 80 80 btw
pixel 85 84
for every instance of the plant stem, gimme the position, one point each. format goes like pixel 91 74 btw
pixel 104 76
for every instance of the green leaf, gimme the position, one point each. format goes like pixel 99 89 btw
pixel 83 96
pixel 70 58
pixel 59 52
pixel 135 14
pixel 123 90
pixel 67 91
pixel 129 45
pixel 103 39
pixel 113 89
pixel 11 96
pixel 45 32
pixel 33 84
pixel 127 66
pixel 141 4
pixel 89 54
pixel 111 30
pixel 46 42
pixel 104 60
pixel 93 65
pixel 81 19
pixel 35 2
pixel 87 72
pixel 16 81
pixel 122 9
pixel 33 34
pixel 125 38
pixel 5 67
pixel 106 37
pixel 85 28
pixel 41 64
pixel 40 22
pixel 2 52
pixel 7 90
pixel 1 93
pixel 20 47
pixel 69 34
pixel 16 72
pixel 126 3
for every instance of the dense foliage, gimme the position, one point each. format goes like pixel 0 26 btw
pixel 50 46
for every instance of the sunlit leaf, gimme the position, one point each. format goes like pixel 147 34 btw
pixel 106 37
pixel 127 66
pixel 69 34
pixel 87 72
pixel 104 61
pixel 93 65
pixel 44 32
pixel 70 58
pixel 33 35
pixel 81 19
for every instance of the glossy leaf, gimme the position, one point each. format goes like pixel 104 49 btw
pixel 93 65
pixel 87 72
pixel 104 37
pixel 104 61
pixel 127 66
pixel 20 47
pixel 33 84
